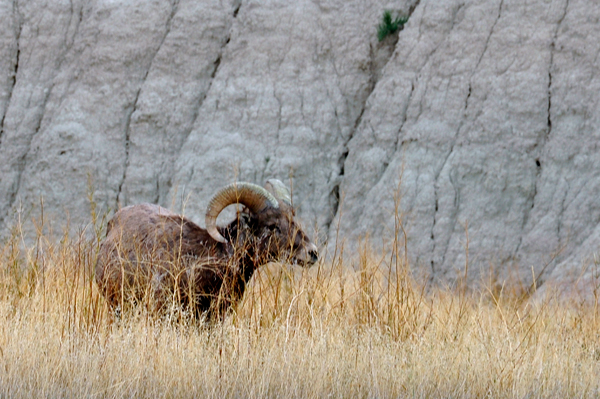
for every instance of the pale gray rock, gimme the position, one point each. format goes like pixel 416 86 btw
pixel 477 125
pixel 284 102
pixel 79 74
pixel 466 120
pixel 170 98
pixel 563 228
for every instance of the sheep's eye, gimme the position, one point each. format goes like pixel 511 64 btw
pixel 274 228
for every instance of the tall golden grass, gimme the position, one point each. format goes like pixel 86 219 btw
pixel 365 329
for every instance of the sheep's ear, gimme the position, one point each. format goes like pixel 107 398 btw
pixel 279 191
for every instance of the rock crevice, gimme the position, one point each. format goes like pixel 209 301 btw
pixel 379 56
pixel 216 64
pixel 132 109
pixel 17 21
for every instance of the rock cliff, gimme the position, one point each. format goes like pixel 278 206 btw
pixel 480 117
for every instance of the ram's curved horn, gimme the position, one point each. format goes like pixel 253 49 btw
pixel 279 190
pixel 251 195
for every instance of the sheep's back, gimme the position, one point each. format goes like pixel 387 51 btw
pixel 145 246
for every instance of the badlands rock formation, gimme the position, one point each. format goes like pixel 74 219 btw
pixel 481 116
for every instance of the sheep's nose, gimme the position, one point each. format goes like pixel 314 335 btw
pixel 314 255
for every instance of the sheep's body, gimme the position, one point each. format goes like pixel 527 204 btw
pixel 151 254
pixel 157 257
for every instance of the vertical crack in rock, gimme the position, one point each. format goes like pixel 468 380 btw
pixel 561 212
pixel 436 207
pixel 453 214
pixel 41 112
pixel 70 41
pixel 157 189
pixel 69 48
pixel 548 131
pixel 13 81
pixel 455 211
pixel 131 109
pixel 279 120
pixel 540 145
pixel 374 72
pixel 237 5
pixel 549 122
pixel 404 118
pixel 334 194
pixel 399 143
pixel 487 40
pixel 408 101
pixel 551 65
pixel 18 29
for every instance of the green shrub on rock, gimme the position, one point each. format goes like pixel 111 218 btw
pixel 390 25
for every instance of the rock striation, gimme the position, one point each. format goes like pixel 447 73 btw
pixel 478 124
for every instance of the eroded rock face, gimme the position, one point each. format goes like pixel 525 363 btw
pixel 487 113
pixel 479 116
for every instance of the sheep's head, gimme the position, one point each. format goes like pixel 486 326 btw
pixel 270 218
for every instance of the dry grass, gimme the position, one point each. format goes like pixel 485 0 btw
pixel 363 330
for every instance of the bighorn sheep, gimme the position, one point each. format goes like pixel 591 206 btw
pixel 155 256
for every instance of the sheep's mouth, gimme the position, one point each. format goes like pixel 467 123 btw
pixel 307 256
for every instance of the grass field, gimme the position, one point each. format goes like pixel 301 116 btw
pixel 335 330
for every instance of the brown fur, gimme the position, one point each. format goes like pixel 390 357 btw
pixel 157 257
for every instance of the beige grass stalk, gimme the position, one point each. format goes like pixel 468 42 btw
pixel 325 331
